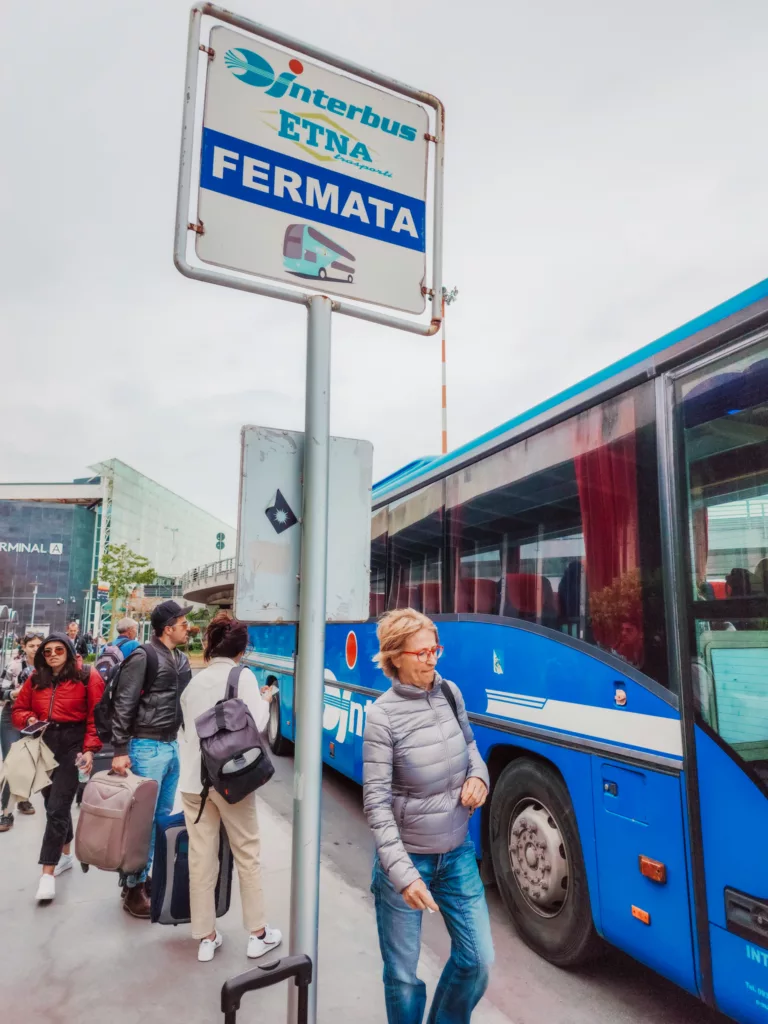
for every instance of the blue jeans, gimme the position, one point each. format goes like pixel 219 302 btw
pixel 155 759
pixel 454 881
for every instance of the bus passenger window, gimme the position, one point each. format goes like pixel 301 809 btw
pixel 723 415
pixel 378 592
pixel 548 530
pixel 415 551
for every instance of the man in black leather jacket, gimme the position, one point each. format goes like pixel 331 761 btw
pixel 146 718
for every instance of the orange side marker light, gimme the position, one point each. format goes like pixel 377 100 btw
pixel 641 915
pixel 653 869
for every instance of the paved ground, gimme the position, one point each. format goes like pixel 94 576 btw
pixel 83 958
pixel 526 989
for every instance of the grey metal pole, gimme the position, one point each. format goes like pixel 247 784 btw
pixel 34 604
pixel 310 667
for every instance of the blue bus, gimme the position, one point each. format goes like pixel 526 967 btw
pixel 309 253
pixel 598 570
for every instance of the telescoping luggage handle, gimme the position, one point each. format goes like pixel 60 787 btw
pixel 298 967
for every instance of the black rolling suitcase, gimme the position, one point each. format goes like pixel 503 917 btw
pixel 170 872
pixel 298 967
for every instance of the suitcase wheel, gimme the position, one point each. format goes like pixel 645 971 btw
pixel 85 868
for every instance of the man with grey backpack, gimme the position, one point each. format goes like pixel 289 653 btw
pixel 223 761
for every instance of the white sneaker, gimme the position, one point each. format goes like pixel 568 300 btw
pixel 46 890
pixel 208 947
pixel 259 946
pixel 66 860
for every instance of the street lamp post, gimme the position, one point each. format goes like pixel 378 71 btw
pixel 448 298
pixel 34 602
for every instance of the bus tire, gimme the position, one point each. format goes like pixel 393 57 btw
pixel 322 273
pixel 278 744
pixel 350 278
pixel 536 856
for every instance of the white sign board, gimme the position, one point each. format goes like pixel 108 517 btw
pixel 311 177
pixel 267 580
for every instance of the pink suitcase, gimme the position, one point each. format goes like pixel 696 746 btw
pixel 115 823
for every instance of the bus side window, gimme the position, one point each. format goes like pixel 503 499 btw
pixel 415 551
pixel 549 530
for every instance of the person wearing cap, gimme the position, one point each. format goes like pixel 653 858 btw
pixel 127 631
pixel 146 718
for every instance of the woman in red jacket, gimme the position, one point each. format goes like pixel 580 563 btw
pixel 63 695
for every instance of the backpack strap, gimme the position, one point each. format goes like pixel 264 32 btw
pixel 153 663
pixel 203 797
pixel 448 694
pixel 233 680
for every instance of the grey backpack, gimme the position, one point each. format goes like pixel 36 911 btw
pixel 233 758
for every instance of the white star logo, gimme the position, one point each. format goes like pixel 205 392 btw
pixel 281 516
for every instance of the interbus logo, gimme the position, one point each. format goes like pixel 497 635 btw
pixel 252 69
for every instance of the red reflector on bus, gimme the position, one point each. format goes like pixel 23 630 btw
pixel 332 749
pixel 653 869
pixel 641 915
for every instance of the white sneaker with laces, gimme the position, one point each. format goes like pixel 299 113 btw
pixel 46 890
pixel 259 946
pixel 66 860
pixel 208 947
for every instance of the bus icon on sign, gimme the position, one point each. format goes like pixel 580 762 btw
pixel 308 253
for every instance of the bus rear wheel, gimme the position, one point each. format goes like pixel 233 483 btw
pixel 322 273
pixel 277 742
pixel 538 863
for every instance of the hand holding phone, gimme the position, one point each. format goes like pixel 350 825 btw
pixel 33 728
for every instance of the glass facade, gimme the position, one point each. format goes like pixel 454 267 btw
pixel 50 544
pixel 170 531
pixel 58 543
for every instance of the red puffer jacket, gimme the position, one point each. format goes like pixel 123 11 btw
pixel 73 701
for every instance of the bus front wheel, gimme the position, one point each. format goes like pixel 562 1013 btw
pixel 278 743
pixel 538 863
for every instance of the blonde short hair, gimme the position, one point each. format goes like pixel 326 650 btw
pixel 393 631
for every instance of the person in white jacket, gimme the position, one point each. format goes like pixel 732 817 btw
pixel 225 642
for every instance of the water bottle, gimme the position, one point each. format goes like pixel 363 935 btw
pixel 83 775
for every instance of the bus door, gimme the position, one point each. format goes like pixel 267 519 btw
pixel 716 466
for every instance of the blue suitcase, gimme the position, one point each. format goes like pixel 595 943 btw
pixel 170 872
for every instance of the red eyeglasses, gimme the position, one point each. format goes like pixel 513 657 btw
pixel 58 651
pixel 436 652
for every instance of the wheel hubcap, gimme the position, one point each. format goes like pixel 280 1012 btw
pixel 538 858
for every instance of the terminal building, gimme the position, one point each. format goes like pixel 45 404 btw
pixel 53 537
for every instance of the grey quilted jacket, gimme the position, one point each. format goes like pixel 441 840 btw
pixel 416 758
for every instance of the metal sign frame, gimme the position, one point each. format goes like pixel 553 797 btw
pixel 197 52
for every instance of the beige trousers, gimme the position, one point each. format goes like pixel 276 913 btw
pixel 242 827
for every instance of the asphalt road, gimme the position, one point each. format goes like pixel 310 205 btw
pixel 614 990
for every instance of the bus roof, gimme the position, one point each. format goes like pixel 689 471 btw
pixel 421 470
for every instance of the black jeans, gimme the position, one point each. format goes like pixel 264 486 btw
pixel 65 742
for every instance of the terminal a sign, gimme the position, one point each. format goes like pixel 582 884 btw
pixel 39 549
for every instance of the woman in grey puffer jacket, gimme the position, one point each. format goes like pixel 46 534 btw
pixel 422 777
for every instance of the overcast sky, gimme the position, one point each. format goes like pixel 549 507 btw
pixel 605 182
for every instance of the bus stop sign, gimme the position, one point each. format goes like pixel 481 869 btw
pixel 310 177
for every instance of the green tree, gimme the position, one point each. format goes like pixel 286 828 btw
pixel 123 570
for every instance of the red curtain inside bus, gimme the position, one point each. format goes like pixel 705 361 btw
pixel 607 483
